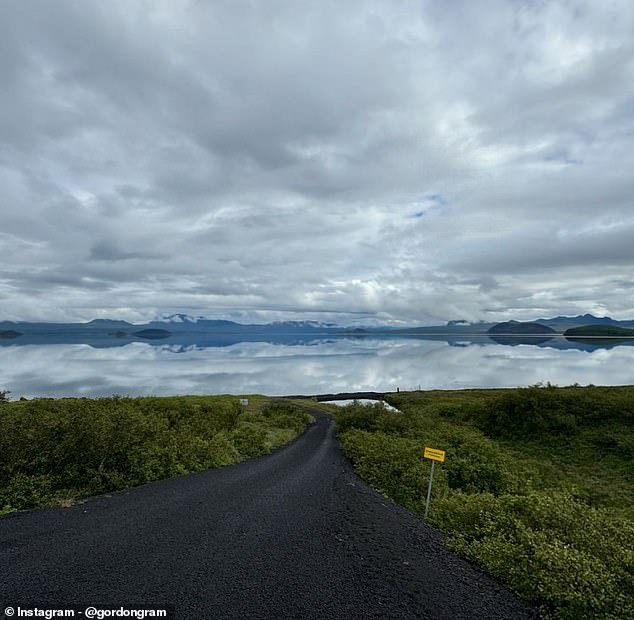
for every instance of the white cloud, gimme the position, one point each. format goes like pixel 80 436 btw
pixel 408 161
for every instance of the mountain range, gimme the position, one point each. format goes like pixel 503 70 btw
pixel 183 329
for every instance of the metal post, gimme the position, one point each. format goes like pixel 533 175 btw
pixel 431 477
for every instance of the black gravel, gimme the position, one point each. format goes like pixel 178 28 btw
pixel 292 535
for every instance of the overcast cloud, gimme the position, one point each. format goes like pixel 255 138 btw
pixel 393 161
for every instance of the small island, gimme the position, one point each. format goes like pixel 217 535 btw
pixel 513 333
pixel 153 334
pixel 517 328
pixel 599 331
pixel 10 333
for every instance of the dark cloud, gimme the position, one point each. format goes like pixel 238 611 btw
pixel 412 161
pixel 107 251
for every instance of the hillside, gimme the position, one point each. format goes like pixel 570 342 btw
pixel 521 329
pixel 589 331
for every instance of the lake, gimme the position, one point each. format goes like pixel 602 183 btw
pixel 333 365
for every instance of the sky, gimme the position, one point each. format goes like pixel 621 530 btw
pixel 397 162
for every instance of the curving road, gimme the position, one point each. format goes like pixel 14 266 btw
pixel 292 535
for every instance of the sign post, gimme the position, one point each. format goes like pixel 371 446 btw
pixel 434 455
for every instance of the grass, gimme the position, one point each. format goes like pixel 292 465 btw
pixel 537 487
pixel 59 451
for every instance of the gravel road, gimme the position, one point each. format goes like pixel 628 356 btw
pixel 291 535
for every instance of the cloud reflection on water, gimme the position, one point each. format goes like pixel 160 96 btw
pixel 328 366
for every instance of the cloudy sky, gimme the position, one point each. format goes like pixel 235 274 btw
pixel 398 161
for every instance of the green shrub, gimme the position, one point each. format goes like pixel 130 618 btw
pixel 478 465
pixel 222 451
pixel 543 411
pixel 284 416
pixel 536 487
pixel 25 491
pixel 249 440
pixel 392 465
pixel 72 448
pixel 567 558
pixel 361 417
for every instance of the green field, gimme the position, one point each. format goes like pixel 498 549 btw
pixel 55 452
pixel 537 488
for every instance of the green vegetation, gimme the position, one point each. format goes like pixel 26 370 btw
pixel 598 331
pixel 59 451
pixel 537 487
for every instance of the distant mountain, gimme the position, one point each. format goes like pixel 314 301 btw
pixel 185 323
pixel 302 324
pixel 108 324
pixel 450 328
pixel 181 318
pixel 188 319
pixel 562 323
pixel 517 328
pixel 181 328
pixel 580 319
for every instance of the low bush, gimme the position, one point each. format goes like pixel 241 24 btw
pixel 53 450
pixel 569 559
pixel 536 486
pixel 546 410
pixel 370 417
pixel 390 464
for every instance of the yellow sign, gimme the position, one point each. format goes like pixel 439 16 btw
pixel 434 455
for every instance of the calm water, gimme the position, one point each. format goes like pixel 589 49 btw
pixel 318 367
